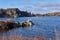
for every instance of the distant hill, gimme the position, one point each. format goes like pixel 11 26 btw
pixel 52 14
pixel 49 14
pixel 13 13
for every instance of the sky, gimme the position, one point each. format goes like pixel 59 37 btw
pixel 33 6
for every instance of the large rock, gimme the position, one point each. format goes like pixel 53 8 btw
pixel 10 24
pixel 3 24
pixel 6 25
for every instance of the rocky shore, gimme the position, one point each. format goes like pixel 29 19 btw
pixel 10 24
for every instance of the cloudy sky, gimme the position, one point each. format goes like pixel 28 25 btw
pixel 34 6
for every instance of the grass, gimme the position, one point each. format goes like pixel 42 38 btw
pixel 21 38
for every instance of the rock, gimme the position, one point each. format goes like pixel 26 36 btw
pixel 3 24
pixel 10 24
pixel 10 21
pixel 26 24
pixel 6 25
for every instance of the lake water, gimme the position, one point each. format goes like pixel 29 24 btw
pixel 43 26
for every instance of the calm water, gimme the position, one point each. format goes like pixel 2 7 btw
pixel 44 26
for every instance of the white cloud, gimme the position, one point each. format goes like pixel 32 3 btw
pixel 47 7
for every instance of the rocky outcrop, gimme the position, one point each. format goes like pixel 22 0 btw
pixel 13 13
pixel 10 24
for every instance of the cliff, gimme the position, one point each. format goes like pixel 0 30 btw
pixel 13 13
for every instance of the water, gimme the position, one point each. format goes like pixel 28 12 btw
pixel 44 26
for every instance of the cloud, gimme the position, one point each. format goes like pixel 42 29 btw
pixel 54 8
pixel 53 4
pixel 46 7
pixel 42 7
pixel 38 6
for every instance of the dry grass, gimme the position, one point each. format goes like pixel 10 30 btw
pixel 21 38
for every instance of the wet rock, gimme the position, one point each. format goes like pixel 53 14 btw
pixel 26 24
pixel 10 24
pixel 3 24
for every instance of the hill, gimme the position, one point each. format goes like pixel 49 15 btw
pixel 52 14
pixel 13 13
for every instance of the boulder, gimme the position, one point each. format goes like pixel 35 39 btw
pixel 6 25
pixel 26 24
pixel 3 24
pixel 10 24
